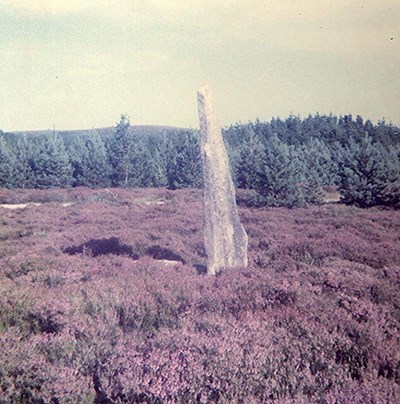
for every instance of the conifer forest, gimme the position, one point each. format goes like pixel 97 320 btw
pixel 104 296
pixel 284 162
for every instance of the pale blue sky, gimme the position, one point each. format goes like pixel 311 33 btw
pixel 81 63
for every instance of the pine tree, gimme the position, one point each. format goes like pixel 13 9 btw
pixel 318 169
pixel 370 175
pixel 7 159
pixel 96 168
pixel 311 185
pixel 23 175
pixel 184 167
pixel 78 156
pixel 292 135
pixel 52 167
pixel 389 178
pixel 142 170
pixel 121 153
pixel 280 180
pixel 157 156
pixel 249 166
pixel 317 158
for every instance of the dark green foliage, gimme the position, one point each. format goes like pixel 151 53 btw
pixel 23 175
pixel 370 175
pixel 317 158
pixel 78 155
pixel 279 182
pixel 6 164
pixel 97 169
pixel 318 168
pixel 89 160
pixel 155 156
pixel 250 161
pixel 52 167
pixel 286 162
pixel 159 169
pixel 329 129
pixel 311 186
pixel 121 152
pixel 184 168
pixel 290 131
pixel 386 134
pixel 141 168
pixel 16 162
pixel 131 159
pixel 389 178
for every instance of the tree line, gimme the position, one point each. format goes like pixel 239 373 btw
pixel 283 162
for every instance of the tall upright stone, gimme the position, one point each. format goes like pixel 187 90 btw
pixel 225 238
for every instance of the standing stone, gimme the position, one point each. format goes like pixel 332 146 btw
pixel 225 238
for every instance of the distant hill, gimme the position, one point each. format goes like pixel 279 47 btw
pixel 142 129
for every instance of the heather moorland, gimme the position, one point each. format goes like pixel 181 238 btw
pixel 104 298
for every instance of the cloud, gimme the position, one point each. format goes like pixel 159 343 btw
pixel 106 65
pixel 266 10
pixel 192 4
pixel 340 25
pixel 45 7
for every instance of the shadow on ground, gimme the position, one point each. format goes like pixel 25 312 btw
pixel 201 269
pixel 113 245
pixel 102 246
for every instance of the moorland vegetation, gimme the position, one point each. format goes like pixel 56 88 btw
pixel 105 300
pixel 103 291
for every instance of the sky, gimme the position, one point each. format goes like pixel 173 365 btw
pixel 77 64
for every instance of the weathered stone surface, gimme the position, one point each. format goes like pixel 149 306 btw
pixel 225 238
